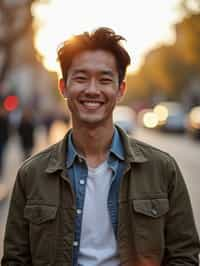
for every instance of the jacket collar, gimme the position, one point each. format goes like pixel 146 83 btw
pixel 133 152
pixel 57 161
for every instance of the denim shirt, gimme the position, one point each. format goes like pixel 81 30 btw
pixel 78 172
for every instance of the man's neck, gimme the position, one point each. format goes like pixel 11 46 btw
pixel 93 143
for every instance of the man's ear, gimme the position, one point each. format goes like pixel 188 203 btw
pixel 62 87
pixel 122 90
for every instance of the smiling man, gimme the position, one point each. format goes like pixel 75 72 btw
pixel 92 89
pixel 99 197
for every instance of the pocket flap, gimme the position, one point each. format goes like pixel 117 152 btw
pixel 38 214
pixel 151 207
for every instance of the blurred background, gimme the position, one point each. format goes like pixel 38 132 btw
pixel 162 103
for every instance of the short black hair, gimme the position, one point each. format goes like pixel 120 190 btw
pixel 103 39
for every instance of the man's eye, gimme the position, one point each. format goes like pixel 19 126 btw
pixel 80 78
pixel 105 80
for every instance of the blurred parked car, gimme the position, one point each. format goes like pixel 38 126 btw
pixel 193 122
pixel 125 117
pixel 171 116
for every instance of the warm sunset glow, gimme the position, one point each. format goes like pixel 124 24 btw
pixel 143 23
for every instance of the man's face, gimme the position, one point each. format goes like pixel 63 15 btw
pixel 92 88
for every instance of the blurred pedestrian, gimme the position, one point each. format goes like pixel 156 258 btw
pixel 26 128
pixel 48 117
pixel 4 134
pixel 99 197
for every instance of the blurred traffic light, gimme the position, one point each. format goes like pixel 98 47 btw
pixel 11 102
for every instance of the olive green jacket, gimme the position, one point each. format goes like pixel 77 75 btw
pixel 155 223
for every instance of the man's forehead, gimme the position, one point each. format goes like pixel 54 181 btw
pixel 86 71
pixel 96 58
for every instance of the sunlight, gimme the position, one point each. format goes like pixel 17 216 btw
pixel 143 23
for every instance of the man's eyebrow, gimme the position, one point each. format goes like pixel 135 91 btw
pixel 79 71
pixel 107 72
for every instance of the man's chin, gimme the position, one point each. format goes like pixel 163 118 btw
pixel 92 121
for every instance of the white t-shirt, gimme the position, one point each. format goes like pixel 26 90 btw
pixel 98 245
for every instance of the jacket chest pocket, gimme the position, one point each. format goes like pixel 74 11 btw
pixel 149 223
pixel 42 231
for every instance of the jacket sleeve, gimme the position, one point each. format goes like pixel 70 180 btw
pixel 182 242
pixel 16 240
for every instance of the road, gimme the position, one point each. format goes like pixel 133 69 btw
pixel 185 150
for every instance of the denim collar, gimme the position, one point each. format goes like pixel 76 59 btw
pixel 116 148
pixel 134 152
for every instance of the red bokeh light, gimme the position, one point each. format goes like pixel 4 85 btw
pixel 11 103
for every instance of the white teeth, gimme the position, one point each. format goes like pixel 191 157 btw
pixel 91 104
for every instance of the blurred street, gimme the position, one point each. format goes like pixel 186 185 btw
pixel 185 150
pixel 161 105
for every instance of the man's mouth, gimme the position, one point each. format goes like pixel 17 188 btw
pixel 91 104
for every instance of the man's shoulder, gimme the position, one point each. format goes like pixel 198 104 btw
pixel 39 159
pixel 149 151
pixel 142 151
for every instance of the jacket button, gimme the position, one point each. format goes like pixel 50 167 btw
pixel 154 212
pixel 78 211
pixel 82 181
pixel 75 243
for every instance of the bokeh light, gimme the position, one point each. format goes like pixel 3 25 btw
pixel 150 120
pixel 161 112
pixel 10 103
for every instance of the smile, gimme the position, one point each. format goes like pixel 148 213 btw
pixel 91 104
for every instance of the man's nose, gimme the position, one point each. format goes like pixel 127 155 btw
pixel 92 87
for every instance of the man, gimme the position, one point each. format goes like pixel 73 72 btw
pixel 99 197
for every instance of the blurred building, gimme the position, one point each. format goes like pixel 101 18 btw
pixel 188 49
pixel 21 71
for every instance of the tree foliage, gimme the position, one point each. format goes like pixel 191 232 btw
pixel 167 69
pixel 16 20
